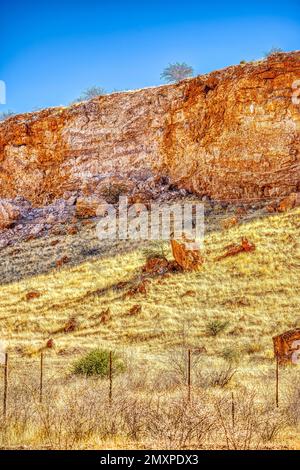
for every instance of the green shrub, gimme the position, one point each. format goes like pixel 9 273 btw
pixel 231 355
pixel 214 327
pixel 96 362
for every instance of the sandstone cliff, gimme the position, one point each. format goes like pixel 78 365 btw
pixel 231 134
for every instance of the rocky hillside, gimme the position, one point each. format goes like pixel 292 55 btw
pixel 231 134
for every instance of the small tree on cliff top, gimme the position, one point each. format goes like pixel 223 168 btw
pixel 273 51
pixel 176 72
pixel 6 114
pixel 91 92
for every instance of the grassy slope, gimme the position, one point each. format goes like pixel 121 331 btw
pixel 257 293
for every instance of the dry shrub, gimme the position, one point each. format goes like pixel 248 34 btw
pixel 292 406
pixel 245 423
pixel 177 424
pixel 218 377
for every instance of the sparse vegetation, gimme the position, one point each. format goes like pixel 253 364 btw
pixel 231 354
pixel 6 115
pixel 273 51
pixel 215 327
pixel 90 93
pixel 157 249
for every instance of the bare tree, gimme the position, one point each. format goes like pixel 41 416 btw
pixel 273 51
pixel 176 72
pixel 6 114
pixel 91 92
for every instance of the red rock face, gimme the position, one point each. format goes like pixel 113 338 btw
pixel 232 134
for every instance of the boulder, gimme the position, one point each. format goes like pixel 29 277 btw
pixel 156 265
pixel 9 213
pixel 90 206
pixel 230 222
pixel 32 295
pixel 187 254
pixel 289 202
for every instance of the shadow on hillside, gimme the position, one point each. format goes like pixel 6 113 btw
pixel 43 255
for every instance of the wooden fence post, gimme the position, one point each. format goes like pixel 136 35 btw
pixel 232 410
pixel 277 381
pixel 189 375
pixel 5 392
pixel 110 376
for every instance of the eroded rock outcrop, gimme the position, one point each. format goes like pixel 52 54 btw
pixel 231 134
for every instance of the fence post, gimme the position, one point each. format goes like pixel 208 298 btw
pixel 189 375
pixel 110 376
pixel 5 392
pixel 232 410
pixel 277 381
pixel 41 376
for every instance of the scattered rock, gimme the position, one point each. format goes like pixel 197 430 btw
pixel 58 231
pixel 189 293
pixel 121 285
pixel 240 211
pixel 71 325
pixel 173 267
pixel 135 310
pixel 61 261
pixel 289 202
pixel 72 230
pixel 140 288
pixel 9 213
pixel 50 219
pixel 144 198
pixel 36 230
pixel 33 295
pixel 90 206
pixel 50 343
pixel 232 250
pixel 87 222
pixel 228 223
pixel 105 316
pixel 156 265
pixel 199 350
pixel 270 208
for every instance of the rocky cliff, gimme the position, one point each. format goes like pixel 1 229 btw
pixel 231 134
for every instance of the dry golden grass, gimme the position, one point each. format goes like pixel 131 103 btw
pixel 256 293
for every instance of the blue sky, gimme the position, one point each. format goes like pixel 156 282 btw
pixel 51 51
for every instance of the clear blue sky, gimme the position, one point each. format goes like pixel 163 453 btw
pixel 51 51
